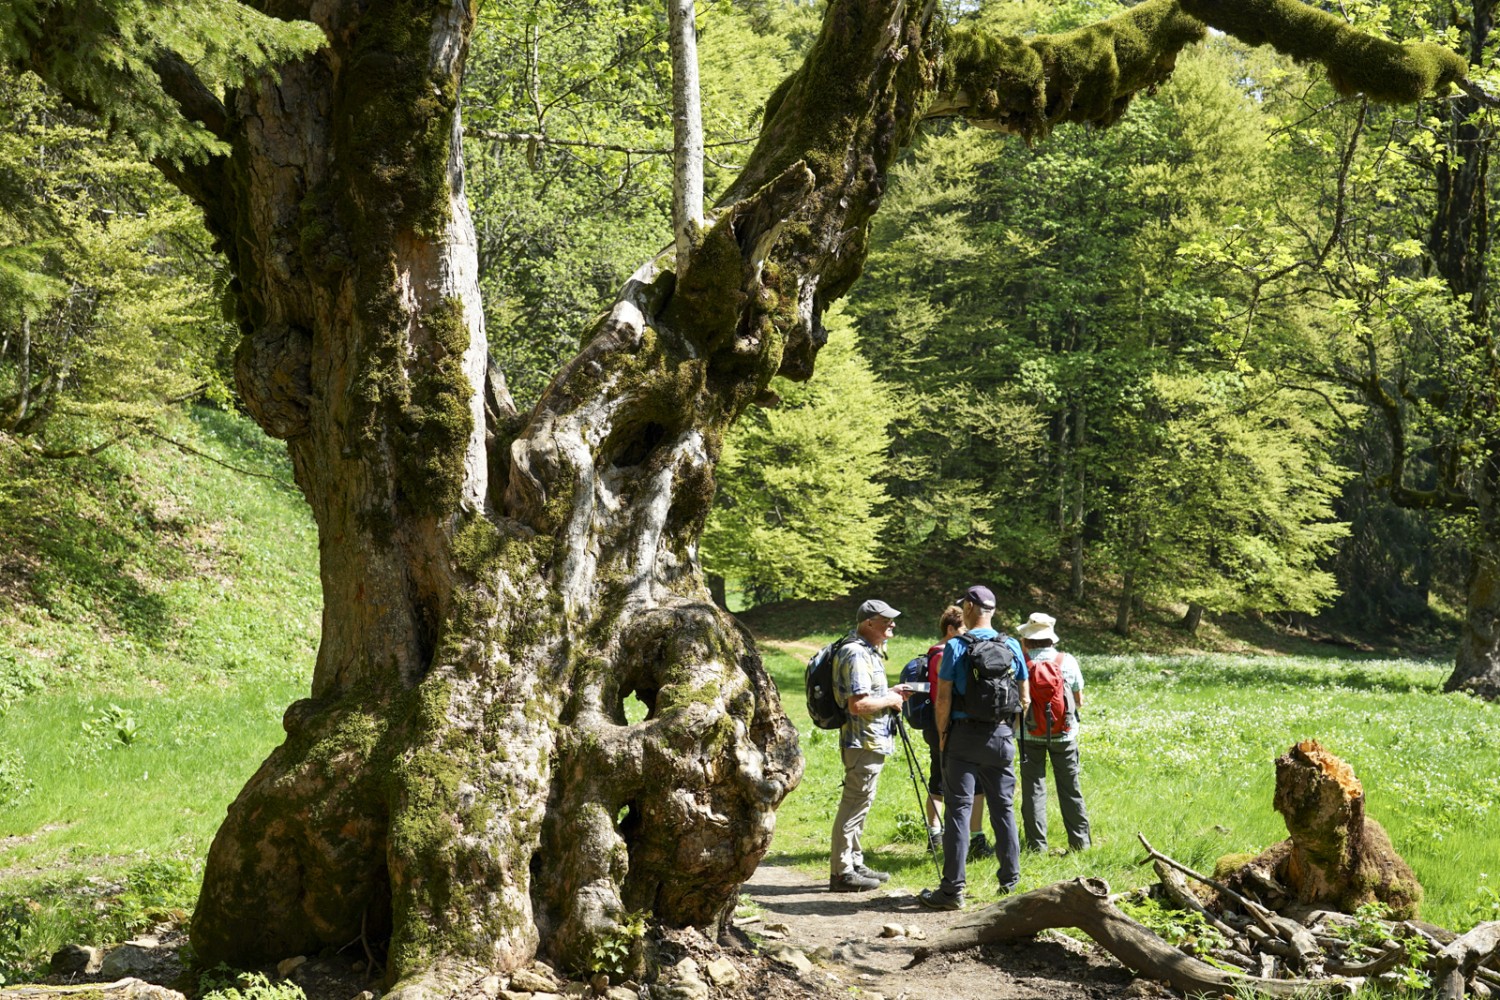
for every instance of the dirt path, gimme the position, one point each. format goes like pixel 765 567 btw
pixel 842 932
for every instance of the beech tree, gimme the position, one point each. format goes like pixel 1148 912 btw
pixel 462 781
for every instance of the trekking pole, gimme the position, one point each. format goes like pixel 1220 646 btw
pixel 914 768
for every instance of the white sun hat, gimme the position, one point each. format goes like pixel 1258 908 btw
pixel 1038 626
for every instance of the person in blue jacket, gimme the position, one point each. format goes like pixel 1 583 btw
pixel 978 754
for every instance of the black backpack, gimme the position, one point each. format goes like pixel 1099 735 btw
pixel 991 693
pixel 918 707
pixel 822 706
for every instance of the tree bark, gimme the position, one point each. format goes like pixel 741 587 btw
pixel 462 783
pixel 1193 618
pixel 1477 667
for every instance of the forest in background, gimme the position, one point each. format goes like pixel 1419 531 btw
pixel 1181 362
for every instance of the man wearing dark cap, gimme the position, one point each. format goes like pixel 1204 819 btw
pixel 978 752
pixel 864 741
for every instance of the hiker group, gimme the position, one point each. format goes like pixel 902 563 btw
pixel 979 698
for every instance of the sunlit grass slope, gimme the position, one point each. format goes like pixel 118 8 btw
pixel 158 611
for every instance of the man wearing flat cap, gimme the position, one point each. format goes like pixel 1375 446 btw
pixel 865 740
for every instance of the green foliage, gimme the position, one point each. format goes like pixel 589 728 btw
pixel 1037 297
pixel 911 828
pixel 108 303
pixel 1185 929
pixel 14 782
pixel 618 952
pixel 224 983
pixel 1366 932
pixel 107 54
pixel 114 726
pixel 1483 906
pixel 797 513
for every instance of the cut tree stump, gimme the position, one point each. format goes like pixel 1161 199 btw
pixel 1336 856
pixel 1084 903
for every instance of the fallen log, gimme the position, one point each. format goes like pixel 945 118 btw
pixel 120 989
pixel 1390 957
pixel 1084 903
pixel 1455 965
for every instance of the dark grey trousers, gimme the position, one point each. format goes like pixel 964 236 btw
pixel 1064 757
pixel 979 757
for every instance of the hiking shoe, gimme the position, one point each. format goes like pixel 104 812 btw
pixel 852 882
pixel 936 899
pixel 864 872
pixel 935 843
pixel 979 848
pixel 1006 890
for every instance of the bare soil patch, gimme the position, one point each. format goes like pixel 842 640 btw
pixel 841 932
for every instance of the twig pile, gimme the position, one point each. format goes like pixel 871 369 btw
pixel 1324 944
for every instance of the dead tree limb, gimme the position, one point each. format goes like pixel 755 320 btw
pixel 1084 903
pixel 1258 913
pixel 1456 964
pixel 1301 949
pixel 1387 960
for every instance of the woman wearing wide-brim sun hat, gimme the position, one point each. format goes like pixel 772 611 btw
pixel 1050 732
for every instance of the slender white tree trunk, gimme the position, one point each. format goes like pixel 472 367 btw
pixel 687 130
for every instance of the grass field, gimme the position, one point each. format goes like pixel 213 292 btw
pixel 158 612
pixel 1181 749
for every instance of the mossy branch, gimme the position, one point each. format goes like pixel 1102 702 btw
pixel 1357 63
pixel 1090 75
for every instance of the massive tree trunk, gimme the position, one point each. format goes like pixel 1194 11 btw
pixel 462 783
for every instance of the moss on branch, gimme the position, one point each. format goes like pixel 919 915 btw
pixel 1087 75
pixel 1090 75
pixel 1357 63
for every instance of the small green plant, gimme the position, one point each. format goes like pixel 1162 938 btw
pixel 1368 931
pixel 1412 976
pixel 1483 906
pixel 1185 929
pixel 14 783
pixel 911 828
pixel 615 954
pixel 224 983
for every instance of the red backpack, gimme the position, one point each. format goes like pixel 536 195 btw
pixel 1051 698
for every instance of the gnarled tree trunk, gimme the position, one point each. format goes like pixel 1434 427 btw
pixel 462 782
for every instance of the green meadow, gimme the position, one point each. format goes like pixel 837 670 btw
pixel 1181 749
